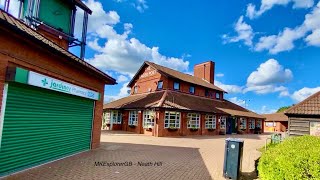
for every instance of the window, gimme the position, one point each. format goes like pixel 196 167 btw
pixel 106 117
pixel 148 119
pixel 259 122
pixel 223 120
pixel 191 89
pixel 116 117
pixel 160 85
pixel 193 120
pixel 243 123
pixel 270 124
pixel 133 118
pixel 217 95
pixel 176 85
pixel 210 121
pixel 135 89
pixel 172 119
pixel 251 124
pixel 206 92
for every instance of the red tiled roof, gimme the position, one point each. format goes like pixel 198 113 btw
pixel 10 22
pixel 310 106
pixel 179 75
pixel 176 100
pixel 276 117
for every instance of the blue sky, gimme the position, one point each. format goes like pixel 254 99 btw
pixel 265 51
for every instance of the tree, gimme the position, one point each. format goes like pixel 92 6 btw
pixel 282 109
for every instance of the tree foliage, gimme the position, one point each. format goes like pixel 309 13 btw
pixel 282 109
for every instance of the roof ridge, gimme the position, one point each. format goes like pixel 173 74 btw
pixel 301 103
pixel 154 65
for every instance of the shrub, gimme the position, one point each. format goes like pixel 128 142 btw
pixel 295 158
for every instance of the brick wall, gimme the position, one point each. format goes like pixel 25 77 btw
pixel 205 71
pixel 18 51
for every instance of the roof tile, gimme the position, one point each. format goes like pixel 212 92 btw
pixel 310 106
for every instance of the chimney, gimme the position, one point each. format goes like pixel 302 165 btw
pixel 205 71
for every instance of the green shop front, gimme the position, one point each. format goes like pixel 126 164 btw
pixel 43 119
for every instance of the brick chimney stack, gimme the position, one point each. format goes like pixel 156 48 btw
pixel 205 71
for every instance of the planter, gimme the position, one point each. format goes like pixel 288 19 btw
pixel 211 130
pixel 193 130
pixel 148 129
pixel 132 126
pixel 108 125
pixel 172 129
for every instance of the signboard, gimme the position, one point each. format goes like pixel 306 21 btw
pixel 46 82
pixel 314 128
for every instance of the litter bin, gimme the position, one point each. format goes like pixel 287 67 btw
pixel 232 158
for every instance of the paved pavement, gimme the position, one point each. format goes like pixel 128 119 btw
pixel 129 156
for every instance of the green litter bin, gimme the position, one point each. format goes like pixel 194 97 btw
pixel 232 158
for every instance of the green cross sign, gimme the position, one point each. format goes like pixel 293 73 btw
pixel 44 82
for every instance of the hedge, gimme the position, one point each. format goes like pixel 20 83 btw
pixel 295 158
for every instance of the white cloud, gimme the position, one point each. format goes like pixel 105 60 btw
pixel 122 78
pixel 220 75
pixel 302 3
pixel 99 19
pixel 244 33
pixel 231 89
pixel 269 72
pixel 13 7
pixel 285 39
pixel 265 89
pixel 269 4
pixel 122 93
pixel 119 52
pixel 237 101
pixel 141 5
pixel 304 93
pixel 265 110
pixel 314 38
pixel 267 77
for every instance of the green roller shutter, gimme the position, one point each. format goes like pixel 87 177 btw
pixel 42 125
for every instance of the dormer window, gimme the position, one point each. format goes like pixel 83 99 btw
pixel 217 95
pixel 135 90
pixel 206 92
pixel 160 85
pixel 176 85
pixel 191 89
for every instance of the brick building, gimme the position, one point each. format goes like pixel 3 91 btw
pixel 165 102
pixel 275 122
pixel 51 99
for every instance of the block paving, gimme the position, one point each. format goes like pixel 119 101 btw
pixel 188 157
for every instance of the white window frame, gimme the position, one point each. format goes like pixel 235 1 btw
pixel 210 121
pixel 116 117
pixel 259 124
pixel 148 119
pixel 223 125
pixel 133 118
pixel 193 121
pixel 172 123
pixel 252 124
pixel 243 123
pixel 107 117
